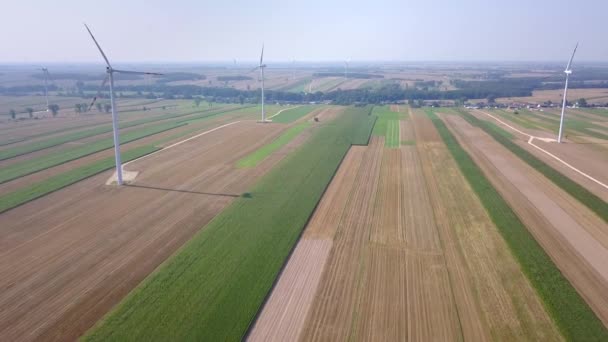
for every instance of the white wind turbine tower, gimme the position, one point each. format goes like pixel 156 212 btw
pixel 262 66
pixel 346 68
pixel 568 71
pixel 110 75
pixel 46 87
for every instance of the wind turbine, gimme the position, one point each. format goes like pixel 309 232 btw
pixel 346 68
pixel 110 75
pixel 568 71
pixel 262 66
pixel 46 87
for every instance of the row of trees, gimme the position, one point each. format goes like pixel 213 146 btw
pixel 386 93
pixel 30 111
pixel 84 107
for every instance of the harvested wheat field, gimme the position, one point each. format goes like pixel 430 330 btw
pixel 68 257
pixel 573 236
pixel 400 248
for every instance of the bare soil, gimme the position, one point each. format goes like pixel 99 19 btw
pixel 70 256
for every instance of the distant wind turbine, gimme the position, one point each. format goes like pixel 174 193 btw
pixel 346 63
pixel 262 66
pixel 46 87
pixel 568 71
pixel 110 75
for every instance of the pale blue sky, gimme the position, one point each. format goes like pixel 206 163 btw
pixel 311 30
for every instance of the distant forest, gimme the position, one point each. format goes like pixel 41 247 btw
pixel 466 90
pixel 350 75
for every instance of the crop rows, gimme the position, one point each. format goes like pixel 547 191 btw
pixel 55 141
pixel 293 114
pixel 576 190
pixel 572 315
pixel 260 154
pixel 27 167
pixel 212 289
pixel 42 188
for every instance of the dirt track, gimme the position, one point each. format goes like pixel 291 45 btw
pixel 44 174
pixel 414 256
pixel 67 258
pixel 589 157
pixel 575 238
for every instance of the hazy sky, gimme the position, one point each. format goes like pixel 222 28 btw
pixel 311 30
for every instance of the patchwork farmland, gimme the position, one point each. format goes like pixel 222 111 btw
pixel 402 247
pixel 330 223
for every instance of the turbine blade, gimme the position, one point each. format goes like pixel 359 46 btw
pixel 137 72
pixel 254 69
pixel 103 84
pixel 571 58
pixel 48 75
pixel 99 47
pixel 262 56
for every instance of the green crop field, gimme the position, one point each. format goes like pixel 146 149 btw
pixel 27 167
pixel 298 87
pixel 597 111
pixel 576 190
pixel 387 125
pixel 392 134
pixel 570 312
pixel 572 125
pixel 213 287
pixel 261 153
pixel 39 189
pixel 291 115
pixel 518 119
pixel 499 130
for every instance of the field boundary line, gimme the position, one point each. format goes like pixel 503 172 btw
pixel 530 142
pixel 180 142
pixel 284 266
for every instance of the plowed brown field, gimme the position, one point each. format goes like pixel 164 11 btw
pixel 414 256
pixel 68 257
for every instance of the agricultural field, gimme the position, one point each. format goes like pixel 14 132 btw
pixel 258 229
pixel 357 212
pixel 185 161
pixel 593 95
pixel 403 246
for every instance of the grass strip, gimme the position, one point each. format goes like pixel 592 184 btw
pixel 499 130
pixel 384 115
pixel 213 287
pixel 42 188
pixel 576 190
pixel 27 167
pixel 392 134
pixel 254 158
pixel 570 312
pixel 293 114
